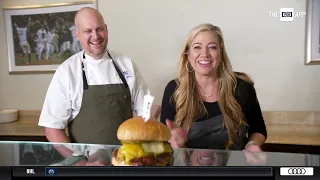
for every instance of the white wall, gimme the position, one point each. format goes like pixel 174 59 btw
pixel 152 33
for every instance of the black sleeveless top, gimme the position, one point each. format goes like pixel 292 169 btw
pixel 204 132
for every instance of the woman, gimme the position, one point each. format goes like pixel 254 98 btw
pixel 212 107
pixel 203 157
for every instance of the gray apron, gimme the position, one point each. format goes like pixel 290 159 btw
pixel 103 109
pixel 210 134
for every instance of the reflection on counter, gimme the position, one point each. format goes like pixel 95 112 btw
pixel 201 157
pixel 68 154
pixel 42 154
pixel 295 132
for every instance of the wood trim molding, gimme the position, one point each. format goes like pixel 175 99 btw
pixel 271 117
pixel 29 114
pixel 35 114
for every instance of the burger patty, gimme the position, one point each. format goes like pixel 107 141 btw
pixel 164 158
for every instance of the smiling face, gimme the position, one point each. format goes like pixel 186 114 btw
pixel 204 53
pixel 92 32
pixel 204 158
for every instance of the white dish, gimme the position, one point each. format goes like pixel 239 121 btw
pixel 8 115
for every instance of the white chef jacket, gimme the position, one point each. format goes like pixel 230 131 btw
pixel 64 96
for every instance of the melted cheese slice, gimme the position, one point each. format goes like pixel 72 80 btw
pixel 129 151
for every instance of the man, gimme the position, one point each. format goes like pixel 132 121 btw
pixel 24 44
pixel 89 93
pixel 66 39
pixel 51 36
pixel 75 42
pixel 41 45
pixel 40 41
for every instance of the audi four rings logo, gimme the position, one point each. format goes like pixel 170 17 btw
pixel 296 171
pixel 300 171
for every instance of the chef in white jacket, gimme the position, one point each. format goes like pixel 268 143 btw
pixel 94 91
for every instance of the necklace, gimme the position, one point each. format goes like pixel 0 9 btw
pixel 206 95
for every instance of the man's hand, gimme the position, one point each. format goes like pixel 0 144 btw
pixel 179 136
pixel 95 163
pixel 81 163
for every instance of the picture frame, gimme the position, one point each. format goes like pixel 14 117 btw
pixel 313 32
pixel 41 37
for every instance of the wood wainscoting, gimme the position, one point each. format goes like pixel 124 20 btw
pixel 26 127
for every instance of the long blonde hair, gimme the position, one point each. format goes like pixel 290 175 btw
pixel 189 105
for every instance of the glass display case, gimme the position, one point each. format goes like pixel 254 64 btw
pixel 23 153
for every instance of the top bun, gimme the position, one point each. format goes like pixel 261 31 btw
pixel 136 129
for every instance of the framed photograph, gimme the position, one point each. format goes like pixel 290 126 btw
pixel 41 37
pixel 313 32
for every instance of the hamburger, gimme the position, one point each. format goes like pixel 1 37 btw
pixel 143 144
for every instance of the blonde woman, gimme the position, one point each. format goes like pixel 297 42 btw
pixel 209 106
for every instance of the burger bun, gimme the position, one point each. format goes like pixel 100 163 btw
pixel 136 129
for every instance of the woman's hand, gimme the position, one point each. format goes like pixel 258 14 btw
pixel 179 136
pixel 254 155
